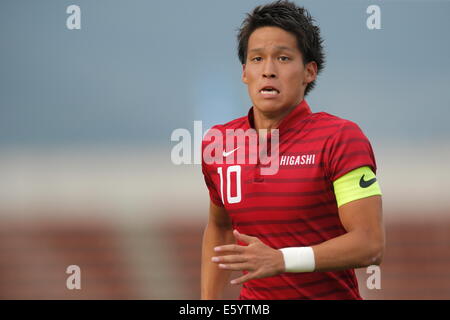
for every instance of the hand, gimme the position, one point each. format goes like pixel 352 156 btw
pixel 257 258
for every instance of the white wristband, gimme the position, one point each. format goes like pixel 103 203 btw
pixel 299 259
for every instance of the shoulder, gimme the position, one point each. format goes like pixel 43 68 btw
pixel 233 124
pixel 221 128
pixel 332 123
pixel 324 118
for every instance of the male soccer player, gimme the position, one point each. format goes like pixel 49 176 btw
pixel 298 233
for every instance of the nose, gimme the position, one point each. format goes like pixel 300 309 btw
pixel 269 69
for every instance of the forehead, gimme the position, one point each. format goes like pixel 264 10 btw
pixel 271 37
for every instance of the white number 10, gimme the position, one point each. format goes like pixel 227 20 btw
pixel 231 199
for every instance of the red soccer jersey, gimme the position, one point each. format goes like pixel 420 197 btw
pixel 297 205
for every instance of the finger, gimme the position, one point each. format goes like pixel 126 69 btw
pixel 236 266
pixel 244 278
pixel 230 247
pixel 244 238
pixel 229 259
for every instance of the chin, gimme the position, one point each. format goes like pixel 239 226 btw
pixel 269 106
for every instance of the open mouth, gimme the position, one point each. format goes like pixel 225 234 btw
pixel 269 91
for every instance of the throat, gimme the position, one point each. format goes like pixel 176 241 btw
pixel 270 120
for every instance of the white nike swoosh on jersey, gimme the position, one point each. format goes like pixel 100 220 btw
pixel 226 154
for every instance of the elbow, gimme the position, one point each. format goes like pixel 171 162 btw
pixel 374 254
pixel 377 256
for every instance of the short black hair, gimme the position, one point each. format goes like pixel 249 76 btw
pixel 289 17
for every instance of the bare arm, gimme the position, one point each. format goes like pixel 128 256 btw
pixel 217 232
pixel 361 246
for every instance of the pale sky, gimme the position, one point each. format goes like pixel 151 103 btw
pixel 137 70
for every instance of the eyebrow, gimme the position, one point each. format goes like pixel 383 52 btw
pixel 277 47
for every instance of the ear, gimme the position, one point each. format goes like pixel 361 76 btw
pixel 310 72
pixel 244 75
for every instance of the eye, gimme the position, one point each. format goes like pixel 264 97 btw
pixel 256 59
pixel 284 58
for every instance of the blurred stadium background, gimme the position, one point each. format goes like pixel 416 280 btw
pixel 85 122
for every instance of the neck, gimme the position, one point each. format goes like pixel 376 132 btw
pixel 270 120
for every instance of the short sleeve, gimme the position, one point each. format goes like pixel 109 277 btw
pixel 213 192
pixel 348 149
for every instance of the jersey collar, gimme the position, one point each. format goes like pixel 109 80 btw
pixel 300 112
